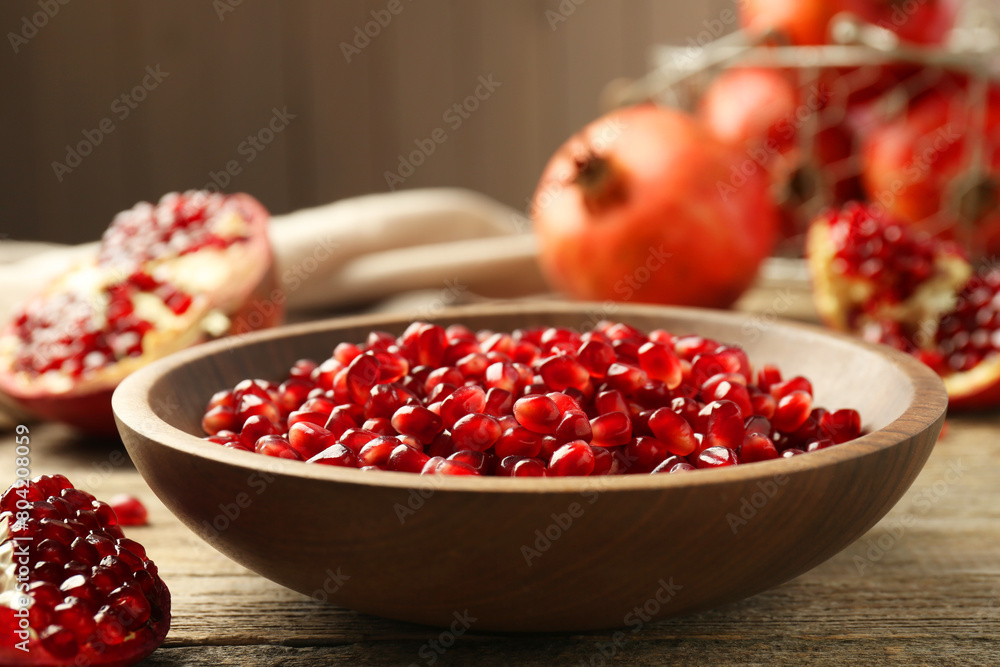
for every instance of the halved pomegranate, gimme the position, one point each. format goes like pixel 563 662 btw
pixel 194 266
pixel 73 589
pixel 877 277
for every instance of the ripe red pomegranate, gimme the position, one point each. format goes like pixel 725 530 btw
pixel 166 276
pixel 73 589
pixel 919 167
pixel 645 204
pixel 540 402
pixel 807 22
pixel 877 277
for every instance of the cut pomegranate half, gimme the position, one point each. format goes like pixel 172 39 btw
pixel 73 589
pixel 196 265
pixel 891 284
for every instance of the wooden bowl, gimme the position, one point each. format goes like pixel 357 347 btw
pixel 531 554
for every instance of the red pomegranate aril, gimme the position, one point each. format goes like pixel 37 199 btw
pixel 728 387
pixel 219 418
pixel 757 447
pixel 255 428
pixel 505 466
pixel 293 392
pixel 309 440
pixel 379 425
pixel 308 416
pixel 596 357
pixel 792 411
pixel 406 459
pixel 377 452
pixel 276 445
pixel 445 375
pixel 518 441
pixel 626 378
pixel 790 452
pixel 417 421
pixel 361 375
pixel 440 392
pixel 129 510
pixel 798 383
pixel 673 431
pixel 342 418
pixel 767 377
pixel 723 426
pixel 668 464
pixel 477 432
pixel 610 401
pixel 757 424
pixel 251 404
pixel 499 403
pixel 528 468
pixel 302 369
pixel 841 425
pixel 473 366
pixel 463 401
pixel 574 425
pixel 716 457
pixel 481 462
pixel 574 459
pixel 822 443
pixel 646 452
pixel 763 404
pixel 564 400
pixel 503 376
pixel 660 363
pixel 611 429
pixel 356 438
pixel 562 372
pixel 605 462
pixel 537 413
pixel 224 397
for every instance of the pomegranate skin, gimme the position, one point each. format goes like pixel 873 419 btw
pixel 646 205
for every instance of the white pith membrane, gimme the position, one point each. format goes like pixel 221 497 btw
pixel 222 273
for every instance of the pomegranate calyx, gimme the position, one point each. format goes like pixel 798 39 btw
pixel 601 181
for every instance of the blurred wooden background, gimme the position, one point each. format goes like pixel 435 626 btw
pixel 229 63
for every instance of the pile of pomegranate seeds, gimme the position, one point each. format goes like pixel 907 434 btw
pixel 92 596
pixel 91 321
pixel 535 402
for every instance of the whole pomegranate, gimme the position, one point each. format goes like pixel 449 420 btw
pixel 194 266
pixel 921 166
pixel 645 204
pixel 73 589
pixel 807 22
pixel 881 279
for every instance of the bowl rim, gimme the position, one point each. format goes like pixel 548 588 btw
pixel 132 410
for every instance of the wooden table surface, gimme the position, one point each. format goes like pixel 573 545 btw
pixel 923 587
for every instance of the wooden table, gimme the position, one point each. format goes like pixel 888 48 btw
pixel 923 587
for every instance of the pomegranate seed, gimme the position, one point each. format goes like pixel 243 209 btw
pixel 337 455
pixel 716 457
pixel 379 425
pixel 309 440
pixel 792 411
pixel 480 462
pixel 572 459
pixel 308 416
pixel 611 429
pixel 841 425
pixel 798 383
pixel 574 425
pixel 377 452
pixel 356 438
pixel 768 376
pixel 626 378
pixel 499 403
pixel 562 372
pixel 477 432
pixel 723 426
pixel 789 453
pixel 822 443
pixel 463 401
pixel 660 363
pixel 518 441
pixel 418 422
pixel 673 431
pixel 596 357
pixel 362 375
pixel 757 424
pixel 276 445
pixel 537 413
pixel 473 366
pixel 757 447
pixel 129 510
pixel 610 401
pixel 447 375
pixel 406 459
pixel 219 418
pixel 728 387
pixel 255 428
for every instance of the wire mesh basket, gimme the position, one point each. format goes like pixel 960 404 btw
pixel 914 130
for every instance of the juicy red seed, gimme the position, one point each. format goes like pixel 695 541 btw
pixel 605 462
pixel 362 375
pixel 757 447
pixel 673 431
pixel 562 372
pixel 129 510
pixel 789 453
pixel 477 432
pixel 406 459
pixel 668 464
pixel 537 413
pixel 646 452
pixel 309 440
pixel 757 424
pixel 379 425
pixel 763 404
pixel 716 457
pixel 611 429
pixel 219 418
pixel 723 426
pixel 518 441
pixel 610 401
pixel 797 383
pixel 417 421
pixel 528 468
pixel 626 378
pixel 596 357
pixel 276 445
pixel 479 461
pixel 660 363
pixel 337 455
pixel 441 466
pixel 822 443
pixel 377 452
pixel 767 376
pixel 356 438
pixel 473 365
pixel 59 641
pixel 447 376
pixel 463 401
pixel 255 428
pixel 841 425
pixel 572 459
pixel 499 403
pixel 502 375
pixel 308 416
pixel 131 605
pixel 564 401
pixel 792 411
pixel 574 425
